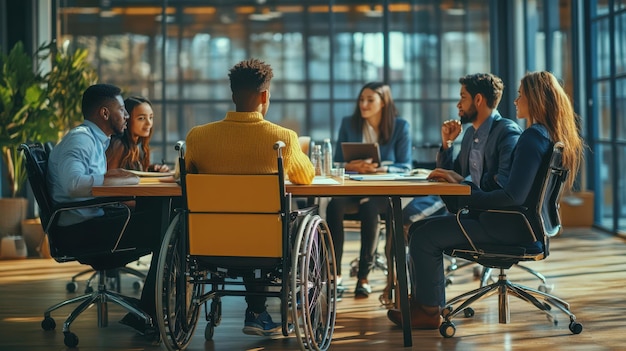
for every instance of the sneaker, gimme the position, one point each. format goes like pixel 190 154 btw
pixel 261 324
pixel 362 290
pixel 340 288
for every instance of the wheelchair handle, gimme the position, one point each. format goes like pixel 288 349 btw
pixel 279 145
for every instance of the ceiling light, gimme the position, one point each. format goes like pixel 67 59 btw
pixel 265 15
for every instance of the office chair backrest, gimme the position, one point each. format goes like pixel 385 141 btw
pixel 548 206
pixel 36 168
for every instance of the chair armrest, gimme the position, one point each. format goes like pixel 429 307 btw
pixel 515 210
pixel 508 209
pixel 95 202
pixel 91 203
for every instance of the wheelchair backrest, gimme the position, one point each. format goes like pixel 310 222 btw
pixel 235 215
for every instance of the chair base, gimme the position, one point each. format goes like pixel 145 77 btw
pixel 484 273
pixel 504 288
pixel 100 299
pixel 113 275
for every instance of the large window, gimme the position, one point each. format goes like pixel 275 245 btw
pixel 607 87
pixel 321 54
pixel 178 54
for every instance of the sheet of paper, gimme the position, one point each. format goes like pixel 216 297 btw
pixel 389 176
pixel 320 180
pixel 155 180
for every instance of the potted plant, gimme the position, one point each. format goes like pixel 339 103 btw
pixel 70 75
pixel 23 116
pixel 36 107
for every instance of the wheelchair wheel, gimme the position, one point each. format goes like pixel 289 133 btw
pixel 313 284
pixel 176 309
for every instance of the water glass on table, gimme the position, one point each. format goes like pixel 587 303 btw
pixel 338 174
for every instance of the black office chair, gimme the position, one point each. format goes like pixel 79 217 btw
pixel 101 259
pixel 543 222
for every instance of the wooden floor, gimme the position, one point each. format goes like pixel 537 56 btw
pixel 587 268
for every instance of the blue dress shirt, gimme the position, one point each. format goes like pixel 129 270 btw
pixel 477 152
pixel 75 165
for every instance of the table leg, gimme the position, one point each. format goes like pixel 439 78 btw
pixel 387 297
pixel 402 285
pixel 166 213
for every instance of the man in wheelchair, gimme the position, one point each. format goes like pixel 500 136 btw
pixel 241 143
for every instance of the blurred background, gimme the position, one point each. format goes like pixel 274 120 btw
pixel 178 52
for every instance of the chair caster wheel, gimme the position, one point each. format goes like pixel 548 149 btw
pixel 575 327
pixel 209 331
pixel 468 312
pixel 70 340
pixel 88 290
pixel 137 285
pixel 447 329
pixel 546 288
pixel 48 323
pixel 71 287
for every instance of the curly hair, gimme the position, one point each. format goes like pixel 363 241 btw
pixel 549 105
pixel 250 75
pixel 389 111
pixel 488 85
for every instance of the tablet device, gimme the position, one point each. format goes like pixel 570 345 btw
pixel 360 151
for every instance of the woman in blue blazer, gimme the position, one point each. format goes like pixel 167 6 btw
pixel 374 121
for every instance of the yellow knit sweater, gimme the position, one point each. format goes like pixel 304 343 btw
pixel 242 143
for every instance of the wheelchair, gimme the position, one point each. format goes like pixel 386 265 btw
pixel 228 224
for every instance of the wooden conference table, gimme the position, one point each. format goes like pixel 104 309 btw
pixel 394 190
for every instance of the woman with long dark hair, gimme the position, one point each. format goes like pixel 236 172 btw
pixel 131 150
pixel 374 121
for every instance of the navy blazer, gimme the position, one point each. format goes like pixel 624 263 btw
pixel 503 136
pixel 397 150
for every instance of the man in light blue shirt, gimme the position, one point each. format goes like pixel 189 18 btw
pixel 77 164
